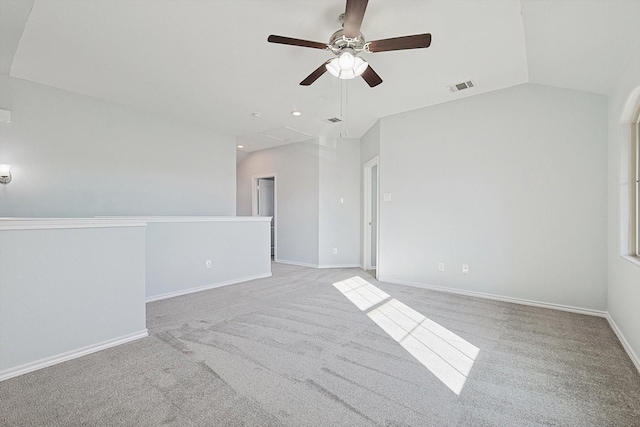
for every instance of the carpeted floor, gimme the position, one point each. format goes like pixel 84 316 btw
pixel 293 350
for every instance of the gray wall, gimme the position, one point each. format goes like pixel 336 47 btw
pixel 339 202
pixel 176 253
pixel 624 276
pixel 297 196
pixel 312 177
pixel 512 183
pixel 65 289
pixel 75 156
pixel 370 144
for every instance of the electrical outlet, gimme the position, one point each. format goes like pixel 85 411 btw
pixel 208 264
pixel 335 251
pixel 465 268
pixel 441 266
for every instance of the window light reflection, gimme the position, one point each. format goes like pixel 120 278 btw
pixel 361 293
pixel 448 356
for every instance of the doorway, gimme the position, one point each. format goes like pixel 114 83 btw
pixel 371 213
pixel 264 203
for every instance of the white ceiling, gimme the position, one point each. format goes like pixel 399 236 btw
pixel 580 45
pixel 209 63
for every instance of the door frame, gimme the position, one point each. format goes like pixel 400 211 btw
pixel 254 205
pixel 367 230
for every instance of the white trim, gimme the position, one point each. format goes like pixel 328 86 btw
pixel 57 223
pixel 299 264
pixel 163 219
pixel 635 193
pixel 632 259
pixel 205 287
pixel 366 212
pixel 339 266
pixel 625 344
pixel 254 192
pixel 114 221
pixel 254 205
pixel 69 355
pixel 320 266
pixel 552 306
pixel 629 158
pixel 630 105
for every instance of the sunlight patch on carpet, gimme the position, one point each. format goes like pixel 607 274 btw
pixel 361 293
pixel 448 356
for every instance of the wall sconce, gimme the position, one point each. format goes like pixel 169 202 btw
pixel 5 174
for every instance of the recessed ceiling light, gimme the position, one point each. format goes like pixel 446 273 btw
pixel 296 113
pixel 257 114
pixel 240 146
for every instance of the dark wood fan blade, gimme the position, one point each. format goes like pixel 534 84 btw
pixel 400 43
pixel 353 16
pixel 371 77
pixel 296 42
pixel 315 75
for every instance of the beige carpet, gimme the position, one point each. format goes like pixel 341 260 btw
pixel 293 350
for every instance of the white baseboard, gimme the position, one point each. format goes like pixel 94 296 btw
pixel 299 264
pixel 625 344
pixel 339 266
pixel 69 355
pixel 521 301
pixel 205 287
pixel 304 264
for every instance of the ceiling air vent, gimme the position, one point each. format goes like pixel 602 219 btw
pixel 462 86
pixel 333 120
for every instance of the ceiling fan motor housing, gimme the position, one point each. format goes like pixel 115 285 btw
pixel 338 42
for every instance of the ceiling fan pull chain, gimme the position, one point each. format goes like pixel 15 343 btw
pixel 344 108
pixel 343 124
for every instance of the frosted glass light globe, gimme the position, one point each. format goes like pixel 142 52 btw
pixel 346 61
pixel 333 67
pixel 347 74
pixel 360 66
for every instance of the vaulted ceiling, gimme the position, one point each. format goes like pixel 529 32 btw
pixel 209 63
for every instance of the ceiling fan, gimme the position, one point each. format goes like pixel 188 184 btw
pixel 348 42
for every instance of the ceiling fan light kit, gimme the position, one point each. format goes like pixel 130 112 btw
pixel 347 66
pixel 348 42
